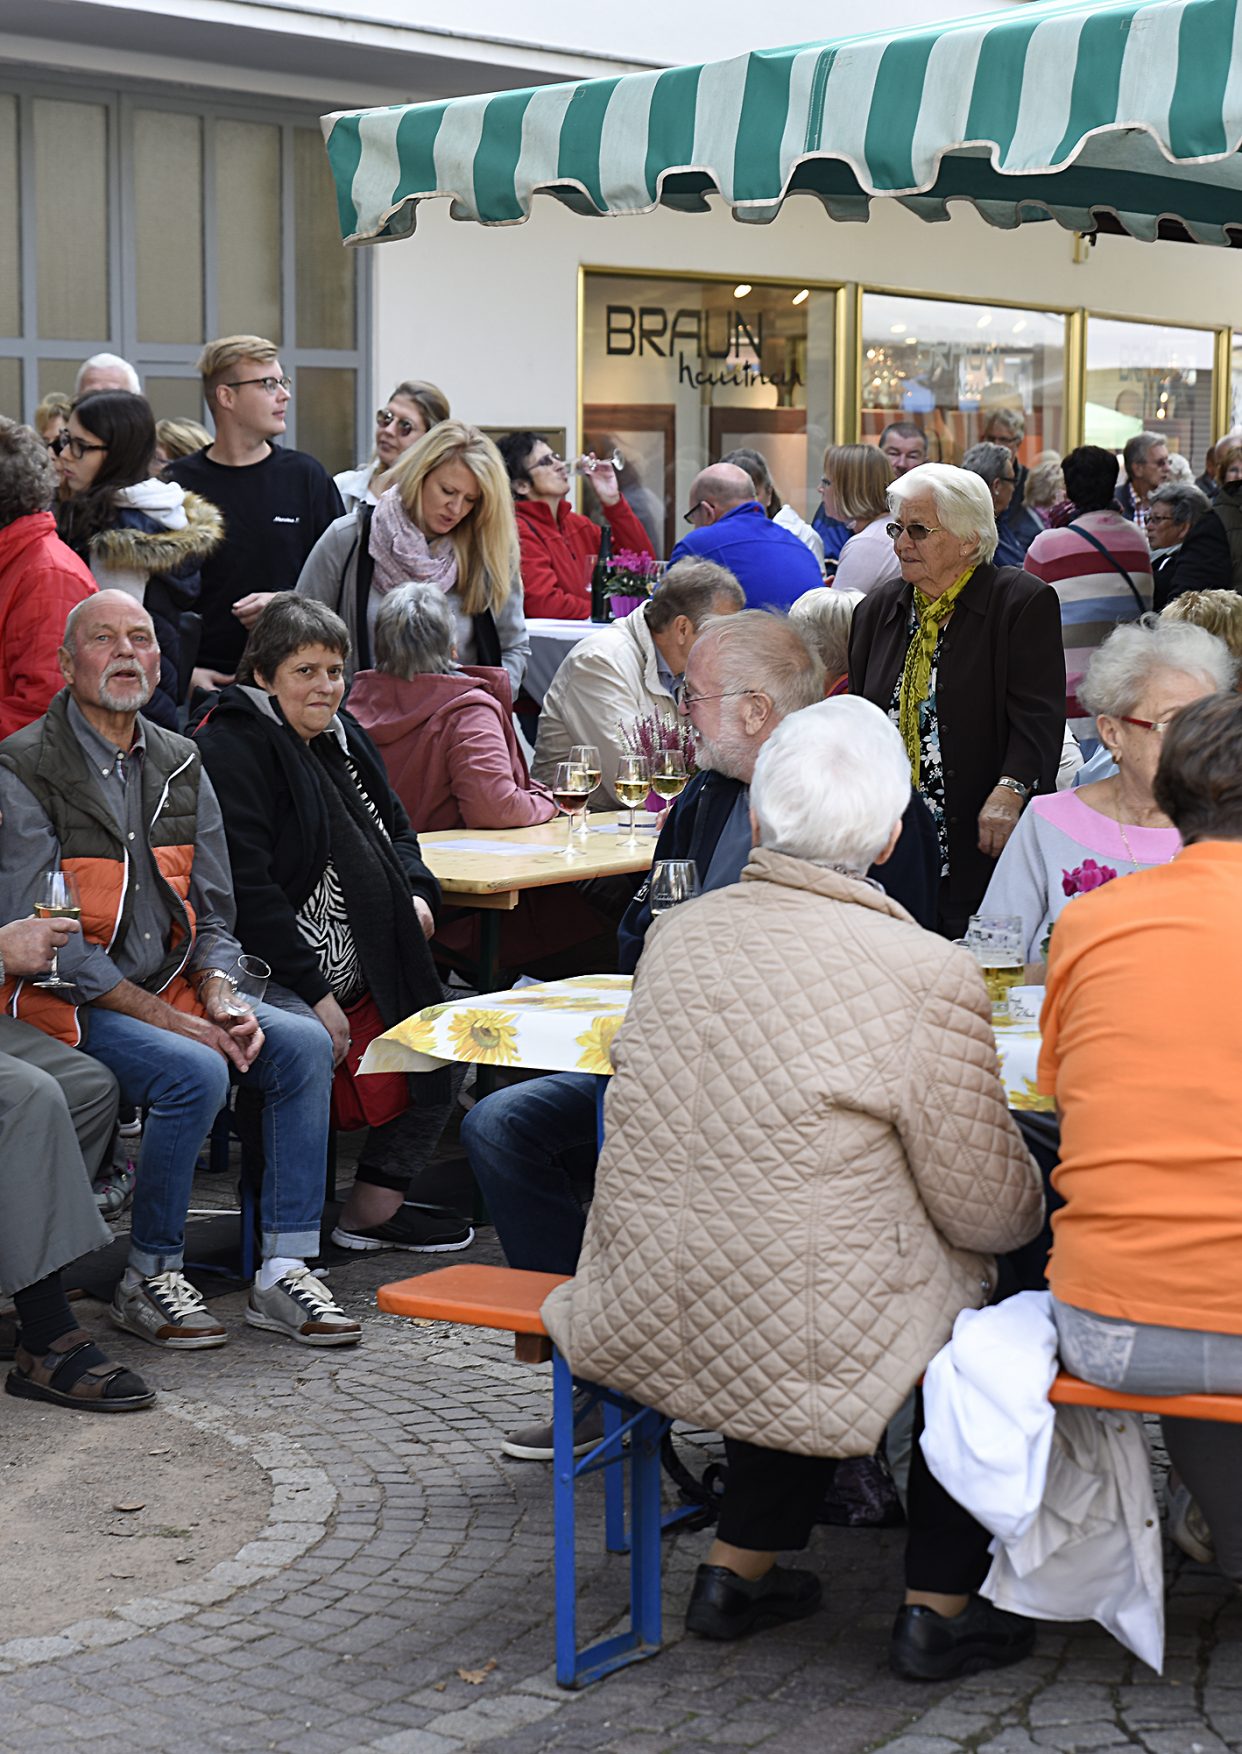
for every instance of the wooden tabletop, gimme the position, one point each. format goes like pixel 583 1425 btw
pixel 460 871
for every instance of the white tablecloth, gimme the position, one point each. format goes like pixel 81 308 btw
pixel 549 641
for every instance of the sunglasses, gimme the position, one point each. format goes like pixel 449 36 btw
pixel 916 532
pixel 386 417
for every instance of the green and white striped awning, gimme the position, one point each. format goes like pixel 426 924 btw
pixel 1116 116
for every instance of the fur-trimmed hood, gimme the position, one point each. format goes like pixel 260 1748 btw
pixel 143 542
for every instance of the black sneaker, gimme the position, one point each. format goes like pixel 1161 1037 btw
pixel 724 1605
pixel 927 1646
pixel 426 1230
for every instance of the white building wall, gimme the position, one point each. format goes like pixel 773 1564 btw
pixel 490 313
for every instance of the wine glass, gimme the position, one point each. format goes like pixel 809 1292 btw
pixel 672 881
pixel 570 792
pixel 56 898
pixel 586 755
pixel 668 774
pixel 588 464
pixel 632 784
pixel 248 980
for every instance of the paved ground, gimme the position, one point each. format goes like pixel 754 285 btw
pixel 398 1597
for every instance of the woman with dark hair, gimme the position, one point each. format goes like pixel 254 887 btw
pixel 137 533
pixel 1098 564
pixel 332 893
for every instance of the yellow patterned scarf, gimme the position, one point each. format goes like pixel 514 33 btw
pixel 932 612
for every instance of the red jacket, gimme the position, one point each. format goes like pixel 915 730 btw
pixel 558 554
pixel 41 580
pixel 450 750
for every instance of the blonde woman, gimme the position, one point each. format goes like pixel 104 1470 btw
pixel 855 484
pixel 178 438
pixel 447 517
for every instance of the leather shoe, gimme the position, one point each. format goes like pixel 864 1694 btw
pixel 927 1646
pixel 724 1605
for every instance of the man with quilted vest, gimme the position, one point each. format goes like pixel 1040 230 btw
pixel 124 806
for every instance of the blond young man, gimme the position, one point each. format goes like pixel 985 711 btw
pixel 276 502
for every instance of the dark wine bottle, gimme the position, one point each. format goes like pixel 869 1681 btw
pixel 600 610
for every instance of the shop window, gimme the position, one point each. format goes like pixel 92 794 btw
pixel 1149 377
pixel 948 366
pixel 678 372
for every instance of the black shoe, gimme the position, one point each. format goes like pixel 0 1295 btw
pixel 426 1230
pixel 724 1605
pixel 927 1646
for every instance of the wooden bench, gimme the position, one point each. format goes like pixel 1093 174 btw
pixel 507 1300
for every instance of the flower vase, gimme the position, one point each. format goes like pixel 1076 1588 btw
pixel 623 606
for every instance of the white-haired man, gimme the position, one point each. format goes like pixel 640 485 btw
pixel 125 805
pixel 105 371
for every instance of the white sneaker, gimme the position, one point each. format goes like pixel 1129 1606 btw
pixel 301 1307
pixel 167 1310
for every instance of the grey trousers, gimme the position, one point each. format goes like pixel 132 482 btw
pixel 57 1112
pixel 1172 1361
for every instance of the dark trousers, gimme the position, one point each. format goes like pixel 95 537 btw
pixel 771 1498
pixel 946 1549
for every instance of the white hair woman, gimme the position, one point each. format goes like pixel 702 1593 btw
pixel 966 659
pixel 824 619
pixel 1070 842
pixel 445 731
pixel 786 1221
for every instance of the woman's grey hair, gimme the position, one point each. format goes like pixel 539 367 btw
pixel 287 625
pixel 1186 503
pixel 765 652
pixel 987 460
pixel 831 783
pixel 963 503
pixel 27 473
pixel 414 632
pixel 1122 669
pixel 823 618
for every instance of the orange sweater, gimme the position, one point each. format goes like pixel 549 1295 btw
pixel 1142 1047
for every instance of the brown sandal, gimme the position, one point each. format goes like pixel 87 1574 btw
pixel 73 1372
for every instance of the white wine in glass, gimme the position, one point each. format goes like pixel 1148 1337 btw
pixel 631 785
pixel 586 755
pixel 57 898
pixel 570 792
pixel 668 774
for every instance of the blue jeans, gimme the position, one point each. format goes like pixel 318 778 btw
pixel 528 1146
pixel 183 1086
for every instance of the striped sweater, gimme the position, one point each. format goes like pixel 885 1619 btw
pixel 1094 596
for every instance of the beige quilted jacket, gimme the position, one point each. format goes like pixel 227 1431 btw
pixel 807 1167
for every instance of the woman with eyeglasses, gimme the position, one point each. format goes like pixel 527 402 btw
pixel 136 532
pixel 412 410
pixel 966 659
pixel 854 486
pixel 446 517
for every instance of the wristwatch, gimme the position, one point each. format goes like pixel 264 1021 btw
pixel 215 974
pixel 1012 785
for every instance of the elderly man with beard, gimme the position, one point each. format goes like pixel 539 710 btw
pixel 533 1148
pixel 125 806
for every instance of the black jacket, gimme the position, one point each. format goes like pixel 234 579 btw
pixel 277 828
pixel 694 825
pixel 1000 697
pixel 1203 562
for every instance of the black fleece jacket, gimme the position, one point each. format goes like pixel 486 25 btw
pixel 277 827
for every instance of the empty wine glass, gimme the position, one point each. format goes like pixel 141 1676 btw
pixel 56 898
pixel 586 755
pixel 632 784
pixel 672 881
pixel 248 979
pixel 570 792
pixel 589 463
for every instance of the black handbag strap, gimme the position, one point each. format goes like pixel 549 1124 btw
pixel 1112 561
pixel 362 587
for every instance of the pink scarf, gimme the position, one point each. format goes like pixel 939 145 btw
pixel 402 553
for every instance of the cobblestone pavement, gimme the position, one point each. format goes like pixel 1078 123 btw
pixel 402 1548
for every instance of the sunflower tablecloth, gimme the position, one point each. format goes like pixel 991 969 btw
pixel 568 1026
pixel 555 1026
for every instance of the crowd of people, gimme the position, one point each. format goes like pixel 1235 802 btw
pixel 235 690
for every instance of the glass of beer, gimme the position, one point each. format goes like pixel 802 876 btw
pixel 632 784
pixel 56 898
pixel 570 792
pixel 668 774
pixel 998 945
pixel 586 755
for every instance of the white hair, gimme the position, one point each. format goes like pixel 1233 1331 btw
pixel 1122 668
pixel 963 502
pixel 831 783
pixel 823 617
pixel 414 632
pixel 108 362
